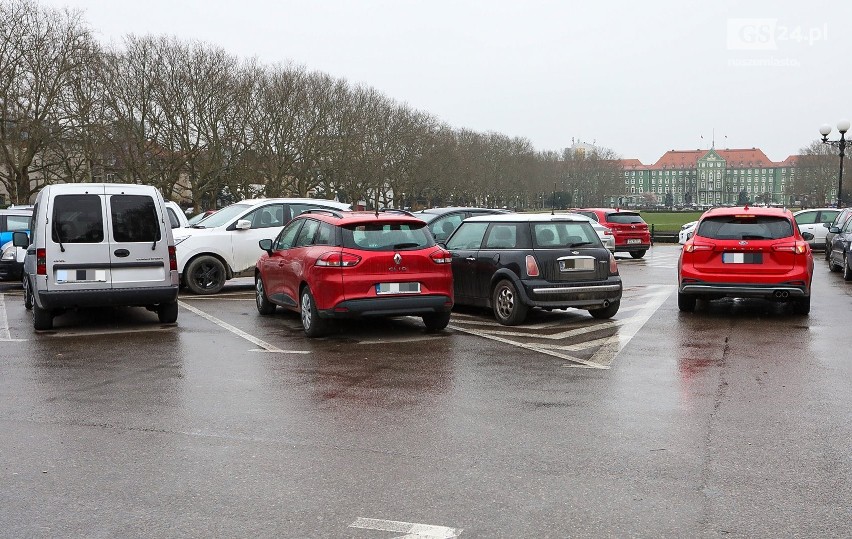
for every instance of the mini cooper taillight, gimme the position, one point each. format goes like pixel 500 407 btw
pixel 532 266
pixel 613 265
pixel 799 247
pixel 41 261
pixel 337 259
pixel 441 257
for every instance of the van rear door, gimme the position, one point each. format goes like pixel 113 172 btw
pixel 76 240
pixel 139 243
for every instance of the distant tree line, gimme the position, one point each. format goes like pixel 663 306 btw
pixel 191 118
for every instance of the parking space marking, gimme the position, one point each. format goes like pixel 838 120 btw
pixel 264 346
pixel 411 530
pixel 4 320
pixel 64 334
pixel 643 302
pixel 402 339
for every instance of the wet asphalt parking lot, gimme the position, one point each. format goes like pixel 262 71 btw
pixel 731 421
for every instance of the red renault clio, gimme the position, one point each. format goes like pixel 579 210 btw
pixel 328 264
pixel 746 252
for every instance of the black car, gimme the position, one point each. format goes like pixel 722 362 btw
pixel 513 262
pixel 840 251
pixel 443 221
pixel 838 223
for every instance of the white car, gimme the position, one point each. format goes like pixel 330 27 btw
pixel 686 232
pixel 224 245
pixel 604 233
pixel 816 221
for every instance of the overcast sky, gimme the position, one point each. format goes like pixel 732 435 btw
pixel 639 78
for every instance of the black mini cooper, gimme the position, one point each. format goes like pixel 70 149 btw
pixel 513 262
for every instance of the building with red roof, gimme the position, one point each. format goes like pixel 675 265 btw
pixel 707 178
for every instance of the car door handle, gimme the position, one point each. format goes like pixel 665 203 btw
pixel 121 253
pixel 471 259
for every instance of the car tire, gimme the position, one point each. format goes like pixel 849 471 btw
pixel 436 321
pixel 847 271
pixel 832 267
pixel 802 305
pixel 686 302
pixel 606 312
pixel 205 275
pixel 509 308
pixel 313 325
pixel 167 312
pixel 42 318
pixel 638 254
pixel 28 294
pixel 264 306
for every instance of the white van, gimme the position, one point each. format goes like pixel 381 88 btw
pixel 97 245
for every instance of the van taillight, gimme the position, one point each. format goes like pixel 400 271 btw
pixel 172 258
pixel 532 266
pixel 41 262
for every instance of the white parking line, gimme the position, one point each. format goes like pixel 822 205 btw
pixel 265 346
pixel 4 320
pixel 410 529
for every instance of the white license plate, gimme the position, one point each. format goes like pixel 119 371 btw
pixel 634 240
pixel 577 264
pixel 398 288
pixel 81 276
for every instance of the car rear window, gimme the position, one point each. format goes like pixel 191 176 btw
pixel 750 227
pixel 624 218
pixel 134 218
pixel 77 219
pixel 565 235
pixel 387 236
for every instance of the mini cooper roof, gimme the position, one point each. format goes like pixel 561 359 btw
pixel 527 217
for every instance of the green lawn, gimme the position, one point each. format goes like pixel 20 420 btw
pixel 669 221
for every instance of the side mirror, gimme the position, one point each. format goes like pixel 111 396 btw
pixel 266 244
pixel 442 245
pixel 20 239
pixel 807 236
pixel 243 224
pixel 834 230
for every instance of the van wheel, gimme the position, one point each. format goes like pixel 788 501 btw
pixel 42 318
pixel 436 321
pixel 509 308
pixel 606 312
pixel 167 312
pixel 264 306
pixel 205 275
pixel 313 325
pixel 638 254
pixel 28 294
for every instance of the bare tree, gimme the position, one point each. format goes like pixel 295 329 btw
pixel 817 170
pixel 42 50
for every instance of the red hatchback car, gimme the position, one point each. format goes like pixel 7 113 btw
pixel 746 252
pixel 338 264
pixel 630 230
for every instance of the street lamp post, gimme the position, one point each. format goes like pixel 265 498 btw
pixel 825 130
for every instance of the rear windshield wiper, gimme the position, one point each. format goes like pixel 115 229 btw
pixel 405 245
pixel 58 235
pixel 754 237
pixel 579 244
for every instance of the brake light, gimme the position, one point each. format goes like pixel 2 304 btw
pixel 799 247
pixel 441 257
pixel 41 261
pixel 692 247
pixel 172 258
pixel 613 265
pixel 607 232
pixel 337 259
pixel 532 266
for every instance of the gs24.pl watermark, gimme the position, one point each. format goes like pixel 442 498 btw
pixel 768 34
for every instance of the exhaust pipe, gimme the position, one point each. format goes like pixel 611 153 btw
pixel 781 294
pixel 606 303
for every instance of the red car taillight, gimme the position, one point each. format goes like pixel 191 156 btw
pixel 337 259
pixel 441 257
pixel 172 258
pixel 532 266
pixel 41 261
pixel 613 265
pixel 799 247
pixel 692 247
